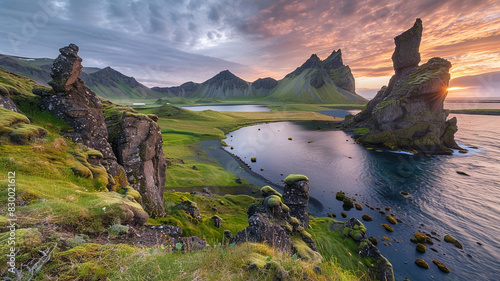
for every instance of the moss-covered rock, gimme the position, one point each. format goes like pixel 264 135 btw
pixel 366 217
pixel 290 179
pixel 373 240
pixel 441 266
pixel 421 248
pixel 422 238
pixel 388 227
pixel 358 206
pixel 343 214
pixel 451 239
pixel 268 191
pixel 340 196
pixel 16 128
pixel 253 159
pixel 421 263
pixel 347 203
pixel 391 219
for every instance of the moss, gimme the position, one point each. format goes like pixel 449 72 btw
pixel 366 217
pixel 348 203
pixel 421 248
pixel 441 266
pixel 373 240
pixel 118 229
pixel 388 227
pixel 391 219
pixel 292 178
pixel 295 221
pixel 267 191
pixel 361 131
pixel 343 214
pixel 223 143
pixel 76 241
pixel 253 159
pixel 384 104
pixel 422 238
pixel 273 201
pixel 450 239
pixel 340 196
pixel 421 263
pixel 358 206
pixel 305 252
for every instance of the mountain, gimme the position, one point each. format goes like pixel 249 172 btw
pixel 37 70
pixel 317 81
pixel 185 90
pixel 111 84
pixel 107 82
pixel 223 85
pixel 263 86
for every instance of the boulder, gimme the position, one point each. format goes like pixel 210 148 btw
pixel 191 208
pixel 5 101
pixel 217 221
pixel 408 114
pixel 296 197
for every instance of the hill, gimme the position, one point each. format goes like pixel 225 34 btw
pixel 223 85
pixel 107 83
pixel 185 90
pixel 317 81
pixel 485 85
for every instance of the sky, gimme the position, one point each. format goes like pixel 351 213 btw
pixel 168 42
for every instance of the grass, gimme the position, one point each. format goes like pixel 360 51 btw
pixel 476 111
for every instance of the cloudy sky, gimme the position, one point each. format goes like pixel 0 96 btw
pixel 168 42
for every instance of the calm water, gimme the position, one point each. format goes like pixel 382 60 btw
pixel 442 201
pixel 233 108
pixel 472 105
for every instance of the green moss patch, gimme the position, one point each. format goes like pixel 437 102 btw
pixel 451 239
pixel 292 178
pixel 421 263
pixel 388 227
pixel 441 266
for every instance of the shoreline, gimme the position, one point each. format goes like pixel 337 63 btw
pixel 238 167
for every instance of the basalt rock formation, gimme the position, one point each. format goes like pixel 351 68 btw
pixel 137 143
pixel 296 197
pixel 408 114
pixel 270 222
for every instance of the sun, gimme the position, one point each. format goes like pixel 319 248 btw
pixel 456 88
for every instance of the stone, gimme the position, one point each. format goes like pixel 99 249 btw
pixel 408 114
pixel 217 221
pixel 172 230
pixel 296 197
pixel 6 102
pixel 193 243
pixel 191 208
pixel 384 269
pixel 137 143
pixel 355 229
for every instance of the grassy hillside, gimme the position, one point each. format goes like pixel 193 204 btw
pixel 73 219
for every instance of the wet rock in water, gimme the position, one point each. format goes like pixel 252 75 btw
pixel 340 196
pixel 296 197
pixel 441 266
pixel 450 239
pixel 373 240
pixel 388 227
pixel 253 159
pixel 347 203
pixel 421 248
pixel 358 206
pixel 408 114
pixel 366 217
pixel 421 238
pixel 343 214
pixel 421 263
pixel 387 209
pixel 405 194
pixel 463 173
pixel 391 219
pixel 217 221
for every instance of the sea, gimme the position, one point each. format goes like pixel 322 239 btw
pixel 457 195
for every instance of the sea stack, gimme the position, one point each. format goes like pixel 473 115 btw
pixel 408 114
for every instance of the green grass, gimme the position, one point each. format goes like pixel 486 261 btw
pixel 476 111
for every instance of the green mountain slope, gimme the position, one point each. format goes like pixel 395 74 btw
pixel 107 83
pixel 111 84
pixel 185 90
pixel 223 85
pixel 317 81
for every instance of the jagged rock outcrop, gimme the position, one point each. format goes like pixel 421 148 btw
pixel 270 222
pixel 137 145
pixel 408 114
pixel 5 101
pixel 296 197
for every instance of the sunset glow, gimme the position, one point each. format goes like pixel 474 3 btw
pixel 166 43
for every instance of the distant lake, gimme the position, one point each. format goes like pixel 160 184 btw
pixel 472 105
pixel 441 201
pixel 230 108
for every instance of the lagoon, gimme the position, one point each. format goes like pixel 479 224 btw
pixel 441 201
pixel 230 108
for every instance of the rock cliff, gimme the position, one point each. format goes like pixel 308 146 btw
pixel 408 114
pixel 134 157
